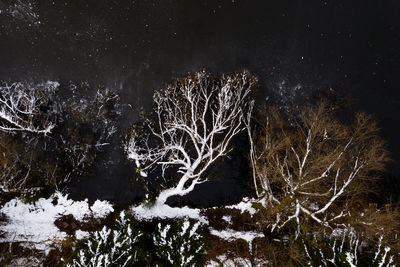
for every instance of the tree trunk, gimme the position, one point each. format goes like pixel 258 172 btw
pixel 177 190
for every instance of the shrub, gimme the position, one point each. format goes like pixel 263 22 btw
pixel 110 247
pixel 179 244
pixel 349 249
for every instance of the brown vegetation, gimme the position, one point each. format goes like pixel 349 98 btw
pixel 313 167
pixel 315 174
pixel 231 249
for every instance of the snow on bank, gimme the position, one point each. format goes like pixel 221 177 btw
pixel 165 211
pixel 230 235
pixel 33 224
pixel 79 234
pixel 245 205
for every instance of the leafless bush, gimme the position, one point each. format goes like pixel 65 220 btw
pixel 312 166
pixel 48 135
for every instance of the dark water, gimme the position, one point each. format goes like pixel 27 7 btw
pixel 297 48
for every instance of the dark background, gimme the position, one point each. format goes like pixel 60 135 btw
pixel 297 48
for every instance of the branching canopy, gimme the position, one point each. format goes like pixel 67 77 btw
pixel 314 166
pixel 196 118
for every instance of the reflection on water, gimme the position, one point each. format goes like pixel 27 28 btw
pixel 134 47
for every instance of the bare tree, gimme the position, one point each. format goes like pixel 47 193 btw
pixel 97 113
pixel 20 108
pixel 313 166
pixel 196 118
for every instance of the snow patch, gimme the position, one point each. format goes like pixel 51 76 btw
pixel 33 223
pixel 245 205
pixel 232 234
pixel 79 234
pixel 101 209
pixel 227 218
pixel 165 211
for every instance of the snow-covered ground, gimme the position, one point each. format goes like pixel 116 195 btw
pixel 245 205
pixel 164 211
pixel 33 223
pixel 230 235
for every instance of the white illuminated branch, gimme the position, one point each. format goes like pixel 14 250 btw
pixel 305 189
pixel 196 118
pixel 20 110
